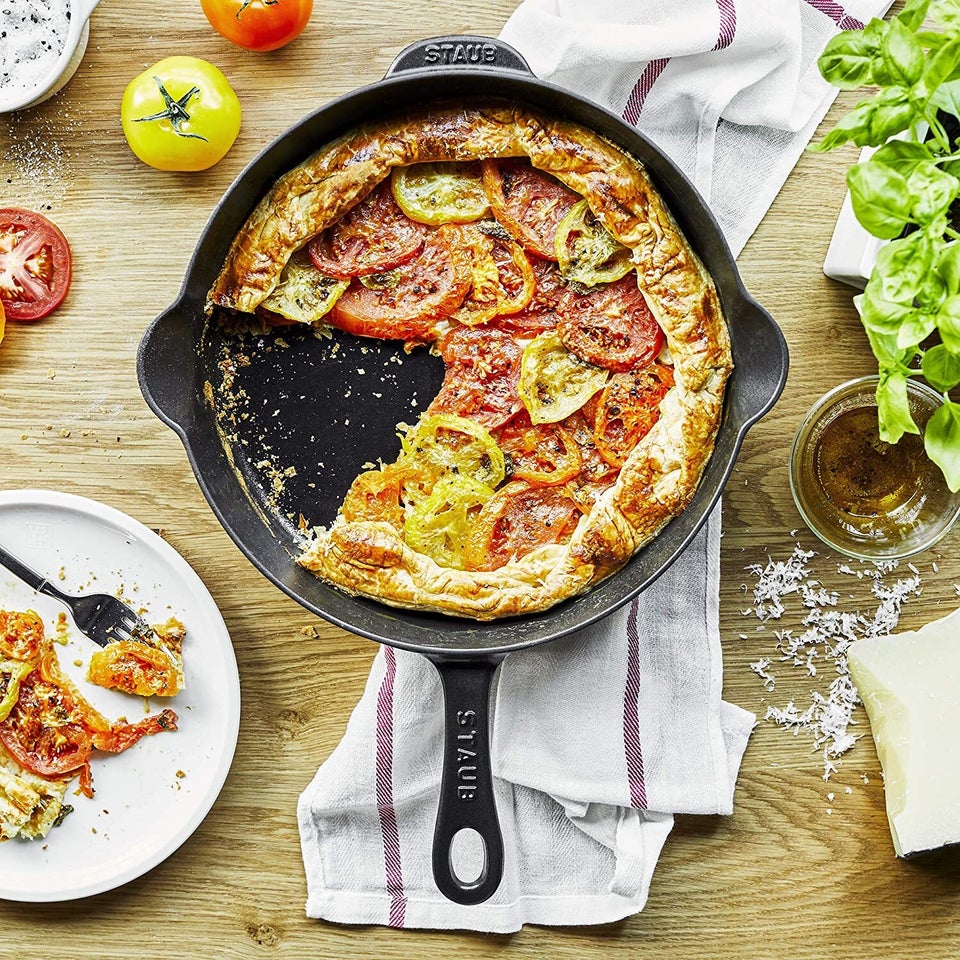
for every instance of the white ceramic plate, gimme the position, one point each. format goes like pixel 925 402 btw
pixel 151 798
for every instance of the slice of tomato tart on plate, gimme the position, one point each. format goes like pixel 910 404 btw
pixel 585 350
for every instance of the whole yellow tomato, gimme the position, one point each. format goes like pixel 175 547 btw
pixel 180 114
pixel 258 24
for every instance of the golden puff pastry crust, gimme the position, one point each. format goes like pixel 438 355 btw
pixel 661 473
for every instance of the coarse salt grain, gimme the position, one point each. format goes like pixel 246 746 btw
pixel 827 635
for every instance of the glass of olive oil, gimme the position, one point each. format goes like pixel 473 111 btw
pixel 864 497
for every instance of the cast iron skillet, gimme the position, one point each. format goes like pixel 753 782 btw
pixel 326 410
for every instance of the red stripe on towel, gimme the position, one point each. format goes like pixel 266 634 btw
pixel 728 23
pixel 836 13
pixel 631 723
pixel 388 816
pixel 728 28
pixel 631 112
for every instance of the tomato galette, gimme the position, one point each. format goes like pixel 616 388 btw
pixel 48 730
pixel 585 349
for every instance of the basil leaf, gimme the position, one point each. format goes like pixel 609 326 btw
pixel 941 440
pixel 884 346
pixel 902 267
pixel 948 267
pixel 941 368
pixel 874 32
pixel 851 126
pixel 904 156
pixel 901 57
pixel 881 199
pixel 883 316
pixel 946 97
pixel 948 323
pixel 940 69
pixel 931 293
pixel 892 113
pixel 913 14
pixel 893 406
pixel 915 327
pixel 933 191
pixel 946 12
pixel 847 60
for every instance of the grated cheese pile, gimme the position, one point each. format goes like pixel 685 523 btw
pixel 825 638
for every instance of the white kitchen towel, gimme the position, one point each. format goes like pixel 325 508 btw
pixel 600 738
pixel 729 89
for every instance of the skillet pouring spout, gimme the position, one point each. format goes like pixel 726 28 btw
pixel 166 350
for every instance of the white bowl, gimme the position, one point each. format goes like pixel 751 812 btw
pixel 63 68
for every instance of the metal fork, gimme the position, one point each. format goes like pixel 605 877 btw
pixel 101 617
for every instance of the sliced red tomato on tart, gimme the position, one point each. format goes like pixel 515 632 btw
pixel 540 453
pixel 528 203
pixel 628 408
pixel 540 313
pixel 482 374
pixel 610 326
pixel 376 235
pixel 519 518
pixel 408 301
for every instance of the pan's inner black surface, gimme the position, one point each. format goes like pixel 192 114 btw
pixel 303 415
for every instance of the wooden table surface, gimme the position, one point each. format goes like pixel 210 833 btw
pixel 792 873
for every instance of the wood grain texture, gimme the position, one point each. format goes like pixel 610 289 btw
pixel 780 878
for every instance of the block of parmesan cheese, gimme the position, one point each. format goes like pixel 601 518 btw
pixel 910 685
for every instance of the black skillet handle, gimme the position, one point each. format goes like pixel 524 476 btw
pixel 162 358
pixel 459 51
pixel 466 792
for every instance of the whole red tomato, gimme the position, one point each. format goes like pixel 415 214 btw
pixel 258 24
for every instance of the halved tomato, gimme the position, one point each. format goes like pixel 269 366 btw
pixel 519 518
pixel 528 202
pixel 35 264
pixel 629 406
pixel 541 454
pixel 376 235
pixel 419 294
pixel 611 326
pixel 482 374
